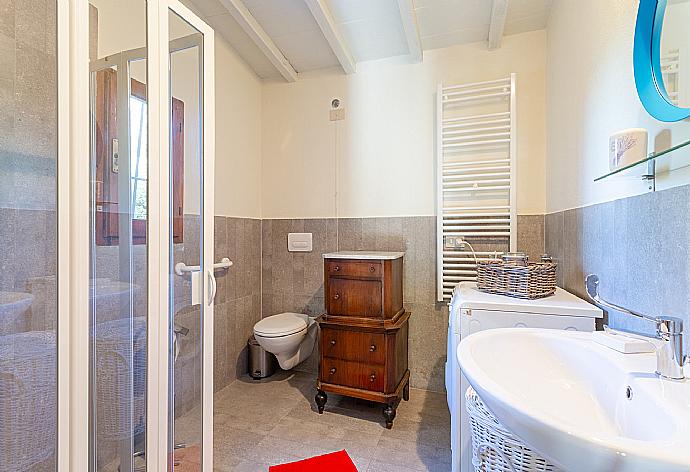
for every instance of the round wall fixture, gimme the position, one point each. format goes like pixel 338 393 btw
pixel 647 61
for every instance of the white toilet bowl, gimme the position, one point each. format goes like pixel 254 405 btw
pixel 289 336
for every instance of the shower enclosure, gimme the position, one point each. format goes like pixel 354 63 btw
pixel 106 226
pixel 28 236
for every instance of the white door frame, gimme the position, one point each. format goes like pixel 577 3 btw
pixel 73 234
pixel 74 241
pixel 207 205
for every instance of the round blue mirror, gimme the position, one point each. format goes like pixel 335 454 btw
pixel 659 53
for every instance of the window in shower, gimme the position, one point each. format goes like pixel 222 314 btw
pixel 110 150
pixel 138 123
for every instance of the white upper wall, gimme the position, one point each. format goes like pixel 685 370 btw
pixel 591 94
pixel 238 136
pixel 385 146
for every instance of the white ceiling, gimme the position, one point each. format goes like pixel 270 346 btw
pixel 371 29
pixel 293 29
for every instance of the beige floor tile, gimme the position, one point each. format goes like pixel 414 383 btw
pixel 297 449
pixel 274 421
pixel 246 424
pixel 231 443
pixel 413 455
pixel 225 462
pixel 313 431
pixel 424 405
pixel 238 464
pixel 362 463
pixel 338 417
pixel 429 430
pixel 378 466
pixel 266 452
pixel 245 466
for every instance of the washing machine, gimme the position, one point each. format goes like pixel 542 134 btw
pixel 472 311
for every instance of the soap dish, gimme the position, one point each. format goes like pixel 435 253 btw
pixel 622 343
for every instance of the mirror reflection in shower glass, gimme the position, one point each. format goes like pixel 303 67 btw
pixel 28 238
pixel 118 223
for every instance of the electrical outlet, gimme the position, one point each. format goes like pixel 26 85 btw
pixel 337 114
pixel 453 242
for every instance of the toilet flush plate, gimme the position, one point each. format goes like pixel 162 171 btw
pixel 299 242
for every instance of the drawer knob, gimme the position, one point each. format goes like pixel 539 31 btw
pixel 333 371
pixel 336 269
pixel 372 348
pixel 336 296
pixel 372 378
pixel 332 342
pixel 372 269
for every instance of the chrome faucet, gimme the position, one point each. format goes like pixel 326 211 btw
pixel 670 359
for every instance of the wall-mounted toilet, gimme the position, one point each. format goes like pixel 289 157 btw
pixel 289 336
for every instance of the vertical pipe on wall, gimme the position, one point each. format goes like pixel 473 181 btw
pixel 336 192
pixel 513 163
pixel 439 192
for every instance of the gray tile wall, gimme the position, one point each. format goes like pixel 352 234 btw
pixel 28 104
pixel 238 302
pixel 639 247
pixel 294 281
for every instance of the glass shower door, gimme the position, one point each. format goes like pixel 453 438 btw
pixel 119 240
pixel 151 227
pixel 28 237
pixel 190 251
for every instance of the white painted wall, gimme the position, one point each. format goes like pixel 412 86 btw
pixel 590 95
pixel 238 135
pixel 385 147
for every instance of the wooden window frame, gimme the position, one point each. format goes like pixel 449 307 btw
pixel 107 218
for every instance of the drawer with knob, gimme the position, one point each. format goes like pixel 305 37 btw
pixel 353 374
pixel 360 298
pixel 358 346
pixel 359 269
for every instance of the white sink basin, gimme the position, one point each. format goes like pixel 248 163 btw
pixel 565 396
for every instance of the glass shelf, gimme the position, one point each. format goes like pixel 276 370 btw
pixel 651 157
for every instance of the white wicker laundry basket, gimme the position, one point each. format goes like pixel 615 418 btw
pixel 494 448
pixel 120 350
pixel 27 399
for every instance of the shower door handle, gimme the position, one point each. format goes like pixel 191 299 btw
pixel 213 287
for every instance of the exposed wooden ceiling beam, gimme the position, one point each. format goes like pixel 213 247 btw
pixel 409 21
pixel 319 9
pixel 250 26
pixel 499 13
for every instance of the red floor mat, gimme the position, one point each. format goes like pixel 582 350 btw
pixel 333 462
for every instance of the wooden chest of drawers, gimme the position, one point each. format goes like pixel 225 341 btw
pixel 364 332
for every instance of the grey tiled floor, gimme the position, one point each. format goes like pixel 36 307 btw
pixel 269 422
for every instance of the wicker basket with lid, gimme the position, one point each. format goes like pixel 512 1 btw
pixel 514 276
